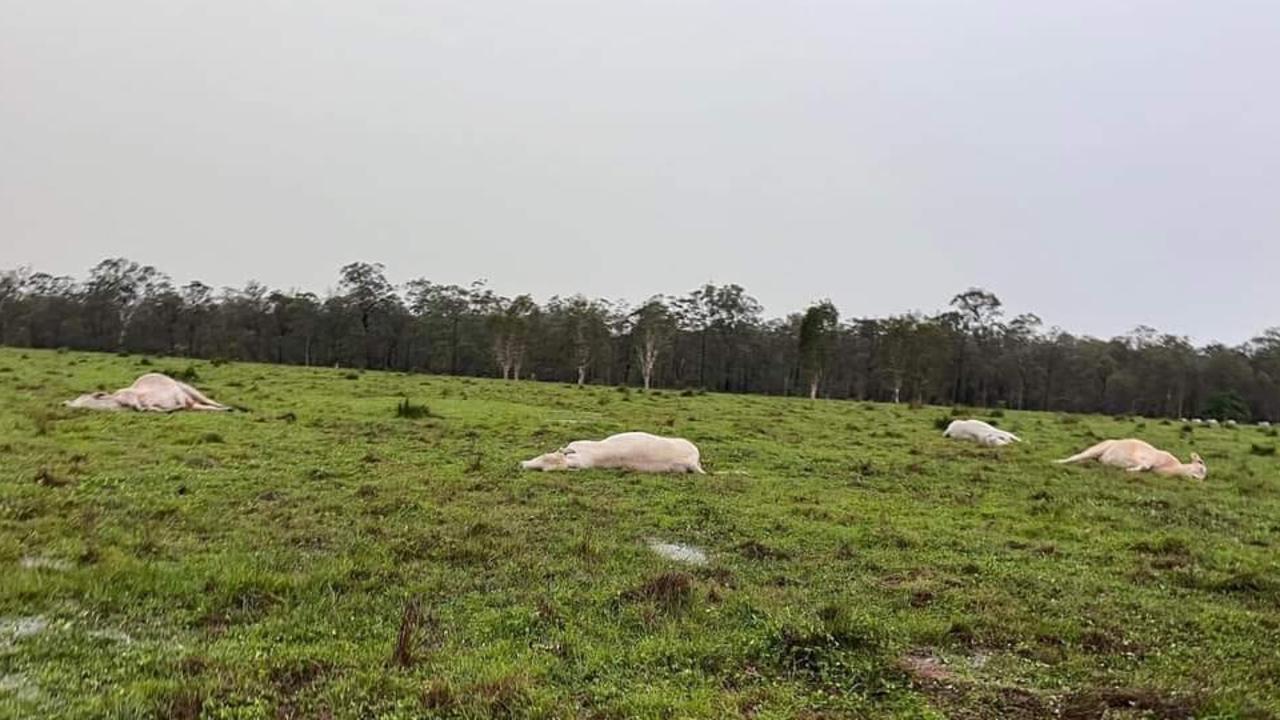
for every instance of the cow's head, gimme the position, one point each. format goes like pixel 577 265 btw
pixel 95 401
pixel 557 460
pixel 1198 469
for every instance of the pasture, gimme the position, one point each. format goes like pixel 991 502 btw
pixel 335 551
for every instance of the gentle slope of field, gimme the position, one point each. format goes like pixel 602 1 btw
pixel 264 563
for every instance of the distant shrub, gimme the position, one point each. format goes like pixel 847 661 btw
pixel 351 376
pixel 1272 432
pixel 993 422
pixel 1263 450
pixel 998 413
pixel 219 361
pixel 63 350
pixel 1188 427
pixel 941 423
pixel 145 361
pixel 1068 419
pixel 406 409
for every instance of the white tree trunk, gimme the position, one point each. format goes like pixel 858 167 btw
pixel 648 359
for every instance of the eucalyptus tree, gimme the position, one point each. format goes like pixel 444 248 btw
pixel 818 331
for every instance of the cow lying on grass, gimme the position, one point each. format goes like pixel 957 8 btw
pixel 152 392
pixel 1138 456
pixel 979 432
pixel 636 451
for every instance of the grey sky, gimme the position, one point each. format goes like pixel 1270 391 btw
pixel 1100 162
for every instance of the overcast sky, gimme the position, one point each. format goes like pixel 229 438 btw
pixel 1102 163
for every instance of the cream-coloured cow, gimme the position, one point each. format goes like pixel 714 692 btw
pixel 636 451
pixel 152 392
pixel 1138 456
pixel 979 432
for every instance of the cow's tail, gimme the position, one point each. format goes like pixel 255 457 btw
pixel 697 468
pixel 1090 454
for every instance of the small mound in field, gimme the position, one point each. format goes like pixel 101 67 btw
pixel 670 590
pixel 1101 702
pixel 46 478
pixel 755 550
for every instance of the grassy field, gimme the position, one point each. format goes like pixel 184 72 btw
pixel 317 555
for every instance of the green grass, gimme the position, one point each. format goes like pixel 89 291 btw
pixel 322 555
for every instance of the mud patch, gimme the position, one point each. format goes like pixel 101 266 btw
pixel 924 666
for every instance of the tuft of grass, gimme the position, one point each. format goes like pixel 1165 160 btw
pixel 406 409
pixel 404 653
pixel 1262 450
pixel 188 374
pixel 47 478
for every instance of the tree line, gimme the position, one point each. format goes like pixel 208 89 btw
pixel 716 337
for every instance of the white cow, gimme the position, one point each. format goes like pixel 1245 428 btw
pixel 1138 456
pixel 1212 422
pixel 979 432
pixel 152 392
pixel 1264 424
pixel 636 451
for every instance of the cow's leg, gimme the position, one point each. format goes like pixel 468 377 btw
pixel 209 408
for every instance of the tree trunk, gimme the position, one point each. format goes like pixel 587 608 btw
pixel 582 375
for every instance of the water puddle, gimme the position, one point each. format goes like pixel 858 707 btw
pixel 680 553
pixel 42 563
